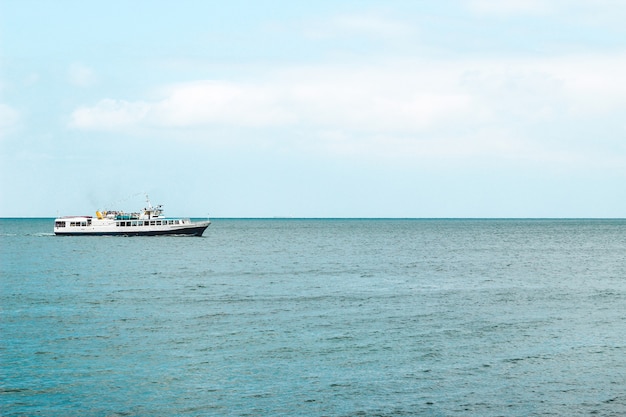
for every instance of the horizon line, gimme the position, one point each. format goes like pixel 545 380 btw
pixel 357 218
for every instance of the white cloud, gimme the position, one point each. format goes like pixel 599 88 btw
pixel 373 99
pixel 525 108
pixel 584 14
pixel 369 25
pixel 81 75
pixel 31 79
pixel 110 114
pixel 509 7
pixel 9 119
pixel 219 102
pixel 188 105
pixel 322 98
pixel 594 83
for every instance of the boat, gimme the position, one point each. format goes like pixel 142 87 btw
pixel 148 222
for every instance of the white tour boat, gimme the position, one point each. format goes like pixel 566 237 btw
pixel 149 222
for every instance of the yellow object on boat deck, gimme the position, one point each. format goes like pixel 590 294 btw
pixel 99 215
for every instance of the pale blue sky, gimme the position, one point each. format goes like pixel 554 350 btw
pixel 459 108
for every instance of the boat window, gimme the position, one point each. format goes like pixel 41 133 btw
pixel 152 223
pixel 59 224
pixel 158 223
pixel 134 224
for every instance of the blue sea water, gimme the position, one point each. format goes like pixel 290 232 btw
pixel 316 318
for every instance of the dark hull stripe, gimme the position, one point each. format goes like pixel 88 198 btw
pixel 188 231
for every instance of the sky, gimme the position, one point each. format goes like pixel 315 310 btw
pixel 326 108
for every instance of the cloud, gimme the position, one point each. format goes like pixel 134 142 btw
pixel 519 108
pixel 9 119
pixel 188 105
pixel 220 102
pixel 509 7
pixel 81 75
pixel 594 83
pixel 358 25
pixel 605 14
pixel 313 97
pixel 109 114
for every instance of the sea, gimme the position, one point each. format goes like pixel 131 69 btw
pixel 317 317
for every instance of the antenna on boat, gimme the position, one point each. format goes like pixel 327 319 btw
pixel 148 201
